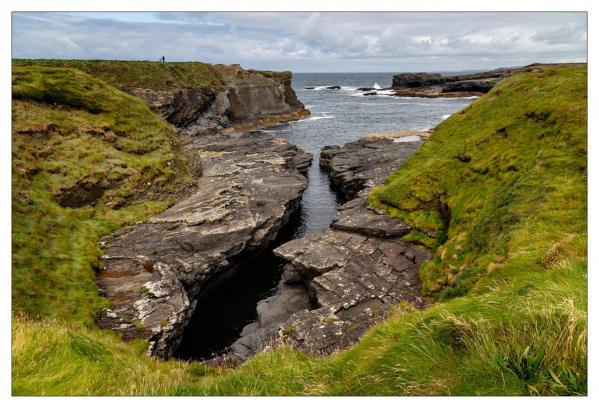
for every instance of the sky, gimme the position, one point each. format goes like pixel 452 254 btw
pixel 309 41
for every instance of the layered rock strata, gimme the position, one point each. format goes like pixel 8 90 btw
pixel 154 272
pixel 248 99
pixel 369 160
pixel 339 282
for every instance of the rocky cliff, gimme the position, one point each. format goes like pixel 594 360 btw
pixel 155 271
pixel 249 99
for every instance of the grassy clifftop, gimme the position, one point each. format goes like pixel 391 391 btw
pixel 86 158
pixel 143 74
pixel 501 185
pixel 498 192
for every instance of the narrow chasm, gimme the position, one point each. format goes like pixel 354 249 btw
pixel 221 315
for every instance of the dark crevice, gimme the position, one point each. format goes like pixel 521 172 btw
pixel 221 314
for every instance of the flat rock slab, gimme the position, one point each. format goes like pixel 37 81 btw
pixel 154 271
pixel 354 217
pixel 353 279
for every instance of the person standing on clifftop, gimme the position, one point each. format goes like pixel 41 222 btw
pixel 163 58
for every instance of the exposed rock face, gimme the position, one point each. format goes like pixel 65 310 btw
pixel 367 161
pixel 181 107
pixel 154 271
pixel 476 85
pixel 249 99
pixel 353 279
pixel 416 80
pixel 339 282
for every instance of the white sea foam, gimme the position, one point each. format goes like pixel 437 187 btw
pixel 376 86
pixel 445 116
pixel 317 116
pixel 407 139
pixel 325 88
pixel 281 130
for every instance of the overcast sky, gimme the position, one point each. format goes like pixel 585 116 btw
pixel 308 42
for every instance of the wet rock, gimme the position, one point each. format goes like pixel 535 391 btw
pixel 289 299
pixel 334 87
pixel 155 270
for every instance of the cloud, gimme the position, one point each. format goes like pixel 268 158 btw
pixel 319 41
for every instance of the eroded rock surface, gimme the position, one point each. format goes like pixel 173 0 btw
pixel 369 160
pixel 154 271
pixel 339 282
pixel 353 279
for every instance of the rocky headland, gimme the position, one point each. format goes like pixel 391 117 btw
pixel 249 99
pixel 434 85
pixel 339 282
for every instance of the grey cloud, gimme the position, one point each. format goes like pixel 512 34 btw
pixel 316 41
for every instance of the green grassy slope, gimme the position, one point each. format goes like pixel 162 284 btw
pixel 515 246
pixel 87 158
pixel 143 74
pixel 501 185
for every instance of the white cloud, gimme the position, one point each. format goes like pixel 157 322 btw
pixel 309 41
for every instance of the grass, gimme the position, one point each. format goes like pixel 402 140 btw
pixel 87 158
pixel 493 344
pixel 142 74
pixel 505 213
pixel 499 191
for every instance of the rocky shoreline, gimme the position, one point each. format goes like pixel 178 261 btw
pixel 338 283
pixel 154 272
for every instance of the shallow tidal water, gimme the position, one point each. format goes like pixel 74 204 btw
pixel 338 117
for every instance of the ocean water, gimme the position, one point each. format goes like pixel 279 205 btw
pixel 344 115
pixel 338 117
